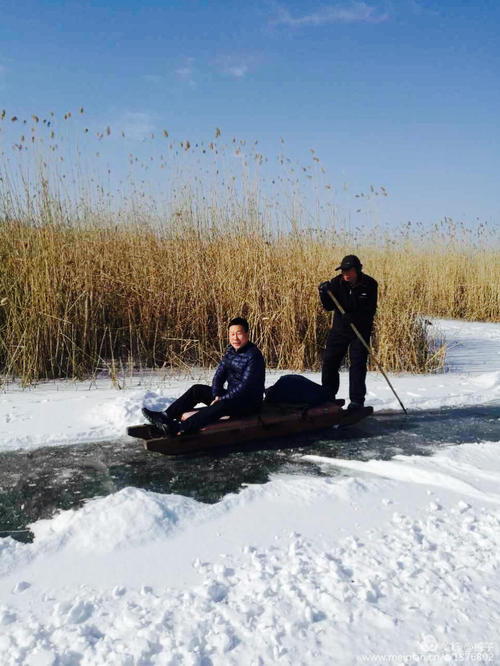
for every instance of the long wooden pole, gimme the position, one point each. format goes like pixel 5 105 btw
pixel 367 347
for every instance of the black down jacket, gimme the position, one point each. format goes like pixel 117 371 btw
pixel 244 370
pixel 359 301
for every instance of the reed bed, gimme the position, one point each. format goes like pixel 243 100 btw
pixel 79 299
pixel 86 286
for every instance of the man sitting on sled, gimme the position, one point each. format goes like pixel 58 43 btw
pixel 242 367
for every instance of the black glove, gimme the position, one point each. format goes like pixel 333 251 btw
pixel 347 318
pixel 324 287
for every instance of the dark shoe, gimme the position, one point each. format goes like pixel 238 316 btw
pixel 155 418
pixel 355 405
pixel 167 425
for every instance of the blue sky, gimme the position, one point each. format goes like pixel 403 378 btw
pixel 399 93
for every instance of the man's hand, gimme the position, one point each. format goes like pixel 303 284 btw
pixel 347 318
pixel 216 399
pixel 324 287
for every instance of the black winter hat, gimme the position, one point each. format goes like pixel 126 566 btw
pixel 350 261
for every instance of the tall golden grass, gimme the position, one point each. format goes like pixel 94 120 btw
pixel 80 293
pixel 81 298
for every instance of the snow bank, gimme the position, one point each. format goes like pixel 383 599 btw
pixel 297 571
pixel 126 518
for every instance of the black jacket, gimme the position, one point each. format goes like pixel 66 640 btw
pixel 244 370
pixel 360 301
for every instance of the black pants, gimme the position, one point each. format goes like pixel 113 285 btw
pixel 337 345
pixel 203 393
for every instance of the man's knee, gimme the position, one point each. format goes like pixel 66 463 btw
pixel 201 391
pixel 358 358
pixel 336 348
pixel 332 356
pixel 199 387
pixel 358 352
pixel 332 361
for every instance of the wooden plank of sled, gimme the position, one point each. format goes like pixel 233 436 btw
pixel 148 431
pixel 236 431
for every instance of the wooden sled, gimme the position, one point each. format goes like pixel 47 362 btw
pixel 273 421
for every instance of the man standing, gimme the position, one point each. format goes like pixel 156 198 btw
pixel 242 367
pixel 357 294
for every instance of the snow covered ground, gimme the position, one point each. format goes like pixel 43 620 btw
pixel 386 561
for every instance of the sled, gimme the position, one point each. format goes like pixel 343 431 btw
pixel 273 421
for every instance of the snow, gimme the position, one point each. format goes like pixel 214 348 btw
pixel 472 346
pixel 376 561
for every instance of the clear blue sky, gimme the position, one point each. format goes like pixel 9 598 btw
pixel 399 93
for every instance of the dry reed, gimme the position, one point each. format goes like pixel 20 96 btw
pixel 80 298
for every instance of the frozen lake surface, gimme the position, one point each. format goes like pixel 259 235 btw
pixel 36 483
pixel 472 347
